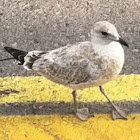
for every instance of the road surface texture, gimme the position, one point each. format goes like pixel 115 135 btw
pixel 49 24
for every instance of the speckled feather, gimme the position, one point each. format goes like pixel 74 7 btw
pixel 83 64
pixel 77 66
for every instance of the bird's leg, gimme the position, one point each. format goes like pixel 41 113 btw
pixel 83 113
pixel 116 113
pixel 74 94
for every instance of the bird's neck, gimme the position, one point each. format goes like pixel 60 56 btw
pixel 113 50
pixel 100 41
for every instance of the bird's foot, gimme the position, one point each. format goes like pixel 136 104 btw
pixel 83 114
pixel 119 114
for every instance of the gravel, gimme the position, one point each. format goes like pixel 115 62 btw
pixel 50 24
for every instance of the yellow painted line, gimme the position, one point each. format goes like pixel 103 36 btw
pixel 69 128
pixel 61 127
pixel 41 90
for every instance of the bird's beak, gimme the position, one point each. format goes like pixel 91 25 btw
pixel 123 42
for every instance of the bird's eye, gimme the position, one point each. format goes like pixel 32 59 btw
pixel 104 33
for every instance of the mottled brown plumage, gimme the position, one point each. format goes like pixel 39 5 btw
pixel 82 65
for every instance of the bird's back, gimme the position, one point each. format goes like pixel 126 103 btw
pixel 66 65
pixel 77 66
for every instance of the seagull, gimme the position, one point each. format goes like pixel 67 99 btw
pixel 81 65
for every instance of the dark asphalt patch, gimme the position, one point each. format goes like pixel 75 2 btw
pixel 8 92
pixel 49 108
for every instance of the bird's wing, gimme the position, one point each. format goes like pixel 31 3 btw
pixel 67 65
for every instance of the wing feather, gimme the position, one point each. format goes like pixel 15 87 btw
pixel 67 65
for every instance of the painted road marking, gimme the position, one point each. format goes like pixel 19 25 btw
pixel 34 95
pixel 40 89
pixel 101 127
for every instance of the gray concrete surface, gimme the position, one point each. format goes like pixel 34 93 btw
pixel 49 24
pixel 49 108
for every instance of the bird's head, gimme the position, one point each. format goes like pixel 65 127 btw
pixel 106 32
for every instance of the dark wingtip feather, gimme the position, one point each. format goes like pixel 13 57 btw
pixel 7 48
pixel 17 54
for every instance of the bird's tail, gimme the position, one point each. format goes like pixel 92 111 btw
pixel 5 59
pixel 17 54
pixel 25 58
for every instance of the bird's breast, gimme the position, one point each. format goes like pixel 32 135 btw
pixel 109 63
